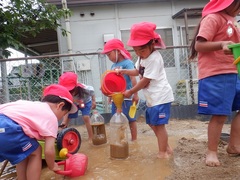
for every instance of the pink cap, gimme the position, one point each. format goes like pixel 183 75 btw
pixel 215 6
pixel 69 80
pixel 62 92
pixel 116 44
pixel 142 33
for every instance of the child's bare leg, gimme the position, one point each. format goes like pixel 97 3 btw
pixel 162 137
pixel 234 140
pixel 86 120
pixel 169 150
pixel 214 132
pixel 133 129
pixel 21 170
pixel 30 168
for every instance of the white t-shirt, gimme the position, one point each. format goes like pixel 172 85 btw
pixel 36 118
pixel 159 90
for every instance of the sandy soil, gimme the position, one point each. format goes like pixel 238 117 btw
pixel 188 138
pixel 189 153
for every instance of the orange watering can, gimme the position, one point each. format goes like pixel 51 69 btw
pixel 74 166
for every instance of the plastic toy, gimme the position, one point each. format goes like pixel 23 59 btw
pixel 74 166
pixel 112 82
pixel 67 138
pixel 132 110
pixel 236 54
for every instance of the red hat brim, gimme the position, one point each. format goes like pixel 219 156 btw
pixel 215 6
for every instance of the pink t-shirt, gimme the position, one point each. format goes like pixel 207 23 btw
pixel 217 27
pixel 36 118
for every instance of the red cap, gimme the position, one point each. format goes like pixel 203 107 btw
pixel 215 6
pixel 69 80
pixel 116 44
pixel 142 33
pixel 62 92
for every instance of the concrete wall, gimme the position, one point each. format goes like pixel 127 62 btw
pixel 87 31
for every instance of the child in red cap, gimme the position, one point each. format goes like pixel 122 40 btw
pixel 219 84
pixel 84 98
pixel 121 59
pixel 153 81
pixel 23 122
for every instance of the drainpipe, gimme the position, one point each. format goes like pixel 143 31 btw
pixel 67 24
pixel 69 61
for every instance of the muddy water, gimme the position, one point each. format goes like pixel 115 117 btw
pixel 141 164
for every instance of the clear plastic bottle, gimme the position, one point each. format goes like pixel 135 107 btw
pixel 118 136
pixel 98 129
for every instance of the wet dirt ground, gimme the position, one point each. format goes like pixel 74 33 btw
pixel 188 139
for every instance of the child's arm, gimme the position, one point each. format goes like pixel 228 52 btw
pixel 65 121
pixel 93 102
pixel 140 85
pixel 130 72
pixel 50 155
pixel 202 45
pixel 134 82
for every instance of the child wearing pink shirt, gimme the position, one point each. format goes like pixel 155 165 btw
pixel 23 122
pixel 219 84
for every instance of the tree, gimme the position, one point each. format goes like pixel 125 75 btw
pixel 21 17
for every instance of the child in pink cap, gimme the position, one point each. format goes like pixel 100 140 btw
pixel 84 98
pixel 23 122
pixel 219 84
pixel 121 59
pixel 153 82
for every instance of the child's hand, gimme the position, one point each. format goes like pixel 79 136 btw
pixel 56 167
pixel 225 48
pixel 127 93
pixel 118 71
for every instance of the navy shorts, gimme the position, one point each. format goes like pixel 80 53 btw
pixel 158 115
pixel 15 144
pixel 85 111
pixel 125 109
pixel 219 95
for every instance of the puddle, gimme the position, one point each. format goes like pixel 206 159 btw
pixel 142 162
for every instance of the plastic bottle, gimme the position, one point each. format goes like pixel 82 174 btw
pixel 98 129
pixel 118 136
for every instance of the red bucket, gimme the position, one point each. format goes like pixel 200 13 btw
pixel 112 83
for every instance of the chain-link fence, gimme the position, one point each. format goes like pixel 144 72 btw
pixel 25 78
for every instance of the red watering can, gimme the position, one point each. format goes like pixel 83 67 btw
pixel 75 165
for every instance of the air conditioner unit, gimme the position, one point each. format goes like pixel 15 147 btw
pixel 192 91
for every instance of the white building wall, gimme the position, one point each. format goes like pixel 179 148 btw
pixel 87 31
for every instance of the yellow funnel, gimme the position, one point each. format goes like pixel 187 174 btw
pixel 118 100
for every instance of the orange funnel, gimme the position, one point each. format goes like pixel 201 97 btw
pixel 117 99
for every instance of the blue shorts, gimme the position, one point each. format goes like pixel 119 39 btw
pixel 219 95
pixel 125 109
pixel 85 111
pixel 15 144
pixel 158 115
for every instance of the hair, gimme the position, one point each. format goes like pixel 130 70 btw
pixel 55 99
pixel 79 91
pixel 149 43
pixel 193 52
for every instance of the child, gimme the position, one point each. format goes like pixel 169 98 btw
pixel 84 98
pixel 153 81
pixel 218 94
pixel 120 57
pixel 23 122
